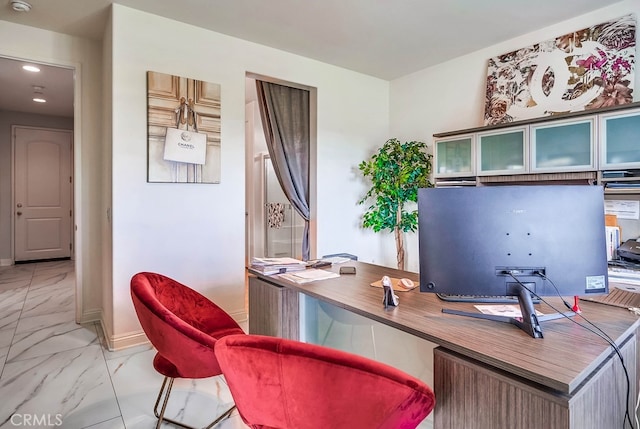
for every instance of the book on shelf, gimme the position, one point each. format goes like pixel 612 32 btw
pixel 613 241
pixel 623 185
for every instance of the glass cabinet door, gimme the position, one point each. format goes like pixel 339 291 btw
pixel 620 140
pixel 502 152
pixel 454 157
pixel 563 146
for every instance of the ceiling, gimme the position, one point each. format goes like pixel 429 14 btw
pixel 382 38
pixel 17 88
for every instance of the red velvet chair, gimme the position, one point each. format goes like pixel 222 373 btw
pixel 285 384
pixel 183 326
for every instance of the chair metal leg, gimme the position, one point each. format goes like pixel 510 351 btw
pixel 222 417
pixel 160 415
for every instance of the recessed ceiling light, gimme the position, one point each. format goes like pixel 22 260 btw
pixel 31 68
pixel 38 96
pixel 20 6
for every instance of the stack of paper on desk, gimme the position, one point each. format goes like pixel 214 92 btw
pixel 277 265
pixel 309 275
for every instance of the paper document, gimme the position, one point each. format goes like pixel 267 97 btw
pixel 337 259
pixel 309 275
pixel 506 310
pixel 276 261
pixel 624 209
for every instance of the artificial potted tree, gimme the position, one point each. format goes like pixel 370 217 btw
pixel 396 172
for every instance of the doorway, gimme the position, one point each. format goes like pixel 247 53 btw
pixel 52 155
pixel 22 81
pixel 263 189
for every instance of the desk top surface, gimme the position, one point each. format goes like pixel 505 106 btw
pixel 562 360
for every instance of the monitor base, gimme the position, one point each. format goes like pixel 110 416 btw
pixel 530 321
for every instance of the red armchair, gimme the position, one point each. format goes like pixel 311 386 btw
pixel 183 326
pixel 285 384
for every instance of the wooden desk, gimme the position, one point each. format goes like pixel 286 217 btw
pixel 487 374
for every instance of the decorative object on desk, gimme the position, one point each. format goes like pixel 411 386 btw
pixel 585 69
pixel 397 284
pixel 396 172
pixel 195 105
pixel 390 299
pixel 576 305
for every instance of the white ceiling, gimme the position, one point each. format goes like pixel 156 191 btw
pixel 383 38
pixel 17 88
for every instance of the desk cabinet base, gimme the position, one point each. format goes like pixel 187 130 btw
pixel 273 310
pixel 472 395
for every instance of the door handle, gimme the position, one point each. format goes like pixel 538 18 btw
pixel 19 205
pixel 18 213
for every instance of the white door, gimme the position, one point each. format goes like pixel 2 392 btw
pixel 42 193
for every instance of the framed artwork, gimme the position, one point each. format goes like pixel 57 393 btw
pixel 183 129
pixel 586 69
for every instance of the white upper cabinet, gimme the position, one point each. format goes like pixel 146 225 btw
pixel 599 145
pixel 563 146
pixel 620 140
pixel 455 157
pixel 502 152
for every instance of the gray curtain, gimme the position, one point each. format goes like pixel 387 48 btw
pixel 285 120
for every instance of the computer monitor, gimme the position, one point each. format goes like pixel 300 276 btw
pixel 511 241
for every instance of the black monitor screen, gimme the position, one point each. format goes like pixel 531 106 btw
pixel 475 240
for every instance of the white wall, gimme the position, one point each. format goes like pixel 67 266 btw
pixel 84 55
pixel 450 96
pixel 106 189
pixel 195 233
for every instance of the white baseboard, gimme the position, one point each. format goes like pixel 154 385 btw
pixel 240 317
pixel 90 316
pixel 114 342
pixel 131 339
pixel 120 342
pixel 6 262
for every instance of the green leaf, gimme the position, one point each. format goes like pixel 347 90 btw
pixel 396 172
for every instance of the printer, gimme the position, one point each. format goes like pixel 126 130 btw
pixel 630 249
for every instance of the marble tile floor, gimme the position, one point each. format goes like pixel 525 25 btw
pixel 56 373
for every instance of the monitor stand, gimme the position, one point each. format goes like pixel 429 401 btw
pixel 530 322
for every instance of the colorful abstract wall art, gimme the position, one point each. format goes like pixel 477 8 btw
pixel 586 69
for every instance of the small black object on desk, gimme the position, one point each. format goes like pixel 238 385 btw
pixel 348 270
pixel 319 264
